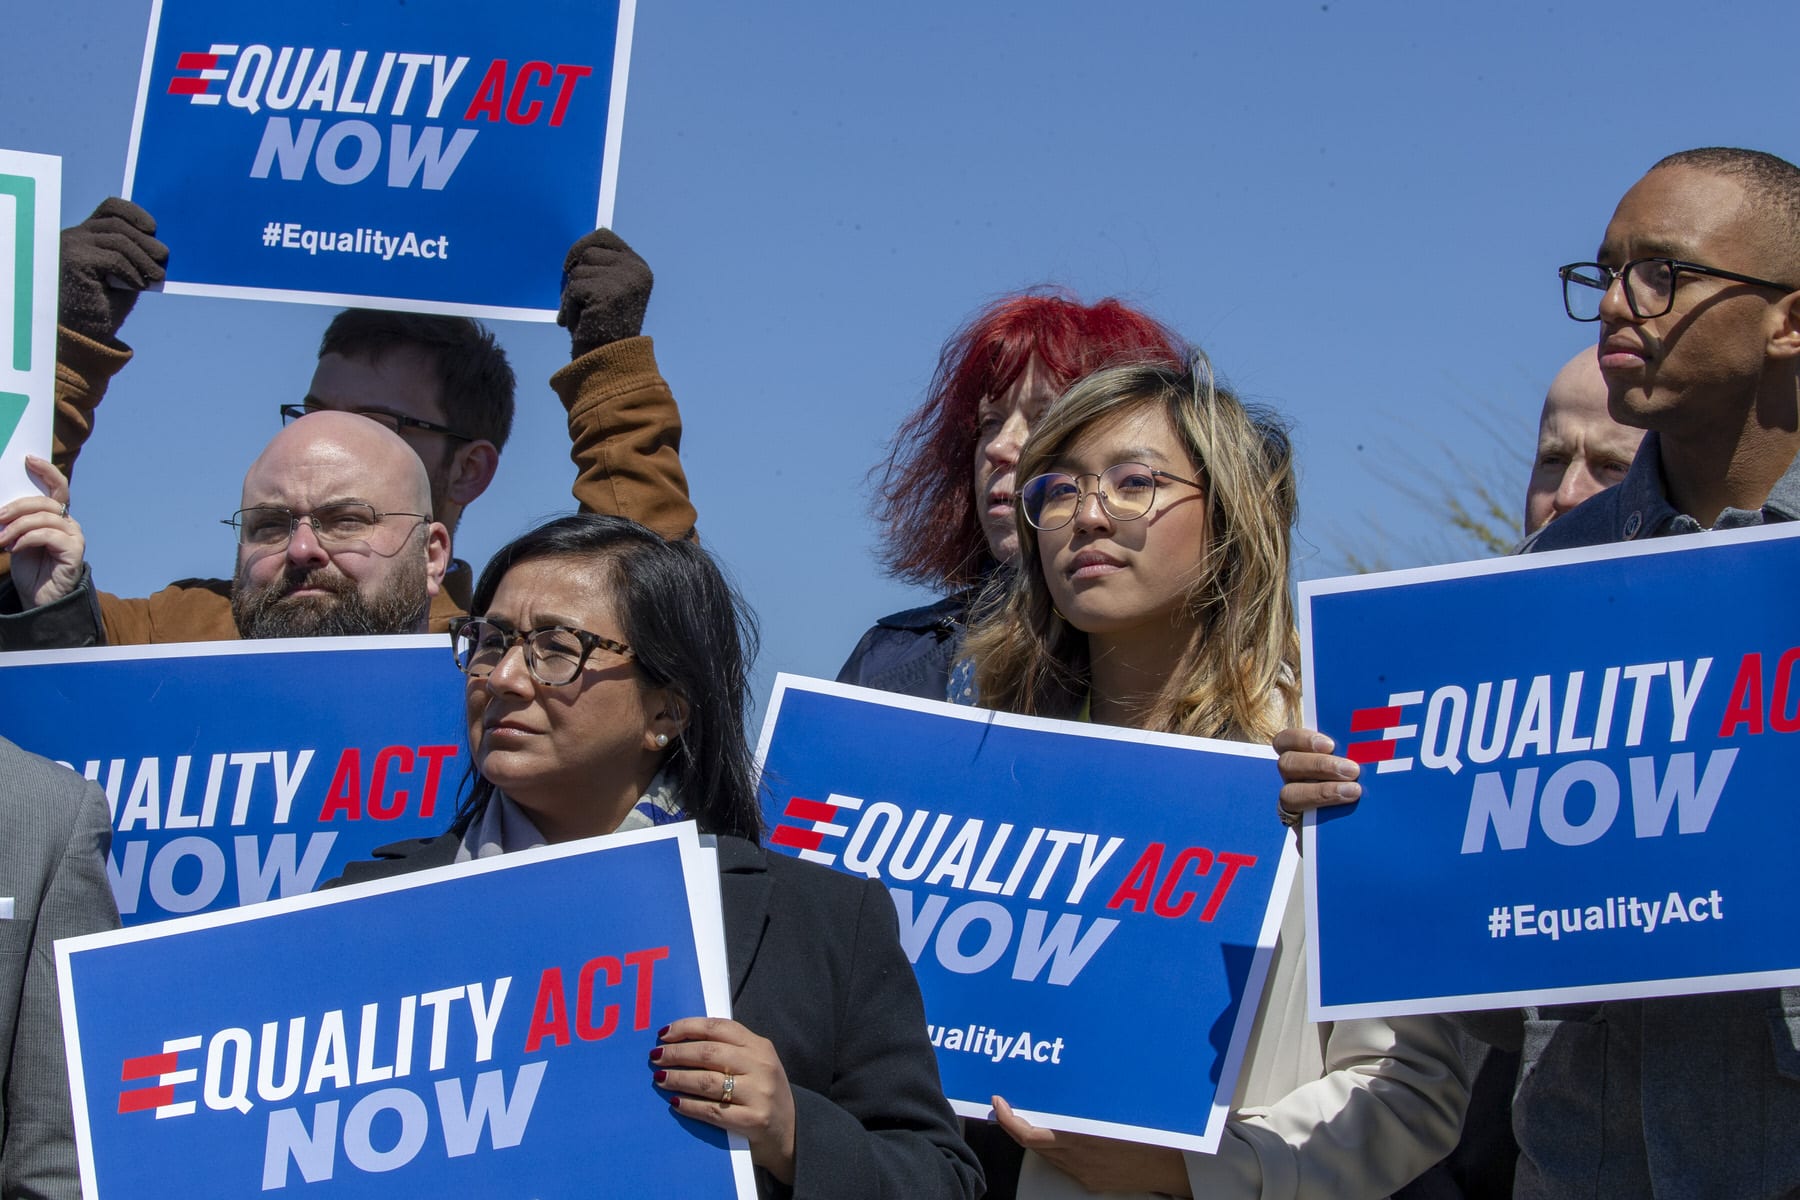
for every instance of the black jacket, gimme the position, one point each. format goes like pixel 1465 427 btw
pixel 911 652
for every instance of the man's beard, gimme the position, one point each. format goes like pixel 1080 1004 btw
pixel 271 611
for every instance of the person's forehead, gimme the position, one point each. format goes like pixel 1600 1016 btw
pixel 1578 428
pixel 557 590
pixel 302 474
pixel 1141 434
pixel 402 379
pixel 1034 389
pixel 1684 213
pixel 1576 401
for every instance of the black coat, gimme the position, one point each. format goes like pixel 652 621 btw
pixel 912 652
pixel 816 967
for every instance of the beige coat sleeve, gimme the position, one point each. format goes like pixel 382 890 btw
pixel 1338 1111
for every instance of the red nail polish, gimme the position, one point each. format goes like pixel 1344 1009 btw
pixel 656 1054
pixel 659 1076
pixel 675 1102
pixel 663 1032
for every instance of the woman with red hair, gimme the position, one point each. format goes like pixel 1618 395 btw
pixel 947 491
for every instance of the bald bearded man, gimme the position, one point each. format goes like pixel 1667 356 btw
pixel 1581 450
pixel 335 537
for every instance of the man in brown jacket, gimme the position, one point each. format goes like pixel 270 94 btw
pixel 335 538
pixel 439 382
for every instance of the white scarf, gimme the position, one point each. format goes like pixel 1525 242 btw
pixel 504 827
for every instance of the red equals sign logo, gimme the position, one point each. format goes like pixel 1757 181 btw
pixel 157 1076
pixel 1384 721
pixel 205 70
pixel 818 820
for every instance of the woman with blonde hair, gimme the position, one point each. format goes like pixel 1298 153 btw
pixel 946 497
pixel 1154 529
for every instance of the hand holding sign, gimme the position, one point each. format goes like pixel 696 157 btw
pixel 727 1076
pixel 1311 775
pixel 106 261
pixel 45 542
pixel 1099 1164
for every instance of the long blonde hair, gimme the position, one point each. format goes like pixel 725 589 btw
pixel 1238 676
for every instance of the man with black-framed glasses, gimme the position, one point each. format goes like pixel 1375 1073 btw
pixel 1696 294
pixel 1699 343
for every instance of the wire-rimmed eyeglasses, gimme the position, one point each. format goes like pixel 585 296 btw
pixel 335 526
pixel 1126 491
pixel 554 654
pixel 1649 285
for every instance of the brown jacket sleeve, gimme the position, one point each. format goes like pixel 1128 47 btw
pixel 625 437
pixel 190 610
pixel 84 367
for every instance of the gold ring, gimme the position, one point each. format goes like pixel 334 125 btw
pixel 730 1086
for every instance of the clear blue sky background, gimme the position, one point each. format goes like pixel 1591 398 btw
pixel 1356 207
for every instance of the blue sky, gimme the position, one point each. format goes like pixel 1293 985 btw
pixel 1357 208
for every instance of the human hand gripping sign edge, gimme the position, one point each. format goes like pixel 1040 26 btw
pixel 1312 777
pixel 719 1072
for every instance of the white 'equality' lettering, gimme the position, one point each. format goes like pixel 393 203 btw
pixel 889 844
pixel 232 1054
pixel 147 805
pixel 1496 721
pixel 264 76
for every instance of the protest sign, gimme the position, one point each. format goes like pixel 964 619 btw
pixel 1062 888
pixel 243 771
pixel 474 1030
pixel 433 156
pixel 30 211
pixel 1576 773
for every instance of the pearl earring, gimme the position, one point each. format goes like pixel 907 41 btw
pixel 662 739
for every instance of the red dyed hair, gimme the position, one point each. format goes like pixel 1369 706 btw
pixel 926 502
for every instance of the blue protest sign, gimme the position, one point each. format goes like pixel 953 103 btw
pixel 428 155
pixel 1576 771
pixel 475 1030
pixel 243 771
pixel 1062 888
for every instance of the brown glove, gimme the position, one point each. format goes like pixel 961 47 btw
pixel 606 288
pixel 106 261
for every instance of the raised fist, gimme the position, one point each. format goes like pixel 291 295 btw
pixel 606 288
pixel 106 261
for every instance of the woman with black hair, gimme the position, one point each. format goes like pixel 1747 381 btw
pixel 606 687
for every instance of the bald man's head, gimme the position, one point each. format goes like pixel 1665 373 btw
pixel 1581 450
pixel 336 535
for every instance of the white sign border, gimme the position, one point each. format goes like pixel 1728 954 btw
pixel 1475 1001
pixel 603 216
pixel 700 881
pixel 1207 1142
